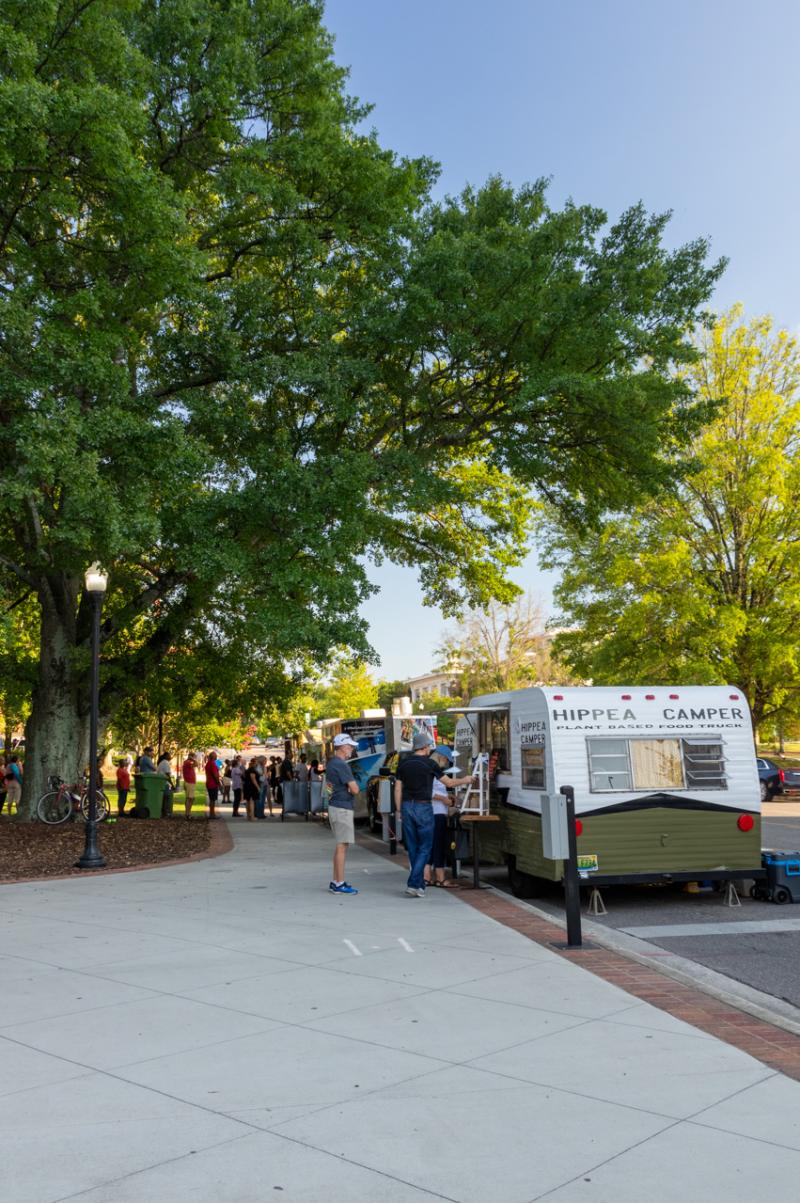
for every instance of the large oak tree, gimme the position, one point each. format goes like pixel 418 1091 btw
pixel 241 351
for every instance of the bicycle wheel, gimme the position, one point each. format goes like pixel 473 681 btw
pixel 54 807
pixel 102 806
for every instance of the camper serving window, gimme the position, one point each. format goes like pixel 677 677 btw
pixel 494 737
pixel 657 764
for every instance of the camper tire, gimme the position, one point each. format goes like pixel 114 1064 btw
pixel 523 885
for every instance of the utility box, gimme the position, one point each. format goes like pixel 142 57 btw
pixel 385 796
pixel 555 834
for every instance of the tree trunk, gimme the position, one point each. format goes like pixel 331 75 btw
pixel 56 734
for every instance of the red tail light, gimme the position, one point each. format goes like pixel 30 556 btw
pixel 578 827
pixel 745 822
pixel 781 776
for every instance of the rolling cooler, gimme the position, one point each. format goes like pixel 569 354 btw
pixel 783 877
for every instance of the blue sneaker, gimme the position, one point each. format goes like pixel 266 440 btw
pixel 344 888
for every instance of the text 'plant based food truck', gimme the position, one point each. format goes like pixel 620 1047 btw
pixel 665 779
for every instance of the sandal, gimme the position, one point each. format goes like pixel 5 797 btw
pixel 447 885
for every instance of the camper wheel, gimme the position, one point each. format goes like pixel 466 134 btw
pixel 523 885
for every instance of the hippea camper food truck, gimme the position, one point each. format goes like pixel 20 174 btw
pixel 665 780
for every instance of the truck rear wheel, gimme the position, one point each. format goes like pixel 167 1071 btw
pixel 523 885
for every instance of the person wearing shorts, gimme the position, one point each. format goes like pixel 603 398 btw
pixel 189 772
pixel 343 788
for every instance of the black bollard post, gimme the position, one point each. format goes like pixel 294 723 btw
pixel 572 892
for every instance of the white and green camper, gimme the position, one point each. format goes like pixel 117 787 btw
pixel 665 780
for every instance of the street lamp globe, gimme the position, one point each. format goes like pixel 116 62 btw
pixel 96 580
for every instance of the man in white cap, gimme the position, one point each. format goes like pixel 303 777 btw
pixel 344 788
pixel 413 791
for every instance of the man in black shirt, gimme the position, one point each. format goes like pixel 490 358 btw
pixel 413 790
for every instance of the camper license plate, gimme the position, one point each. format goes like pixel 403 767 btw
pixel 587 862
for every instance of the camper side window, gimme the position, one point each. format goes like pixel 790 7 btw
pixel 533 768
pixel 657 764
pixel 704 764
pixel 609 764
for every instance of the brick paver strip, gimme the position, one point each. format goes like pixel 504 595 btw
pixel 776 1047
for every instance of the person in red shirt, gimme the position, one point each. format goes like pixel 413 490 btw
pixel 212 783
pixel 189 772
pixel 123 785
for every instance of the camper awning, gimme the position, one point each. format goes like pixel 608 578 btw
pixel 478 709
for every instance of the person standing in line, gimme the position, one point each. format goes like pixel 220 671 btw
pixel 226 782
pixel 237 775
pixel 189 770
pixel 212 783
pixel 3 790
pixel 301 775
pixel 123 785
pixel 263 788
pixel 251 790
pixel 413 791
pixel 146 762
pixel 272 773
pixel 343 788
pixel 13 781
pixel 165 769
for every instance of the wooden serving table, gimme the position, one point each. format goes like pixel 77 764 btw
pixel 475 824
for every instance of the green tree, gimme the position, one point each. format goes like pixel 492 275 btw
pixel 388 691
pixel 350 691
pixel 502 647
pixel 241 353
pixel 703 586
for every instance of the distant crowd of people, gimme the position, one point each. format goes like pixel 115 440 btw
pixel 251 785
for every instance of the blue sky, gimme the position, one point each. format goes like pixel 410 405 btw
pixel 691 107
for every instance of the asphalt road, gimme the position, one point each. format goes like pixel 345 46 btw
pixel 700 928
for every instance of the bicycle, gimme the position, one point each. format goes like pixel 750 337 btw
pixel 63 802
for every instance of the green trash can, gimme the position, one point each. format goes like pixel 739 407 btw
pixel 149 794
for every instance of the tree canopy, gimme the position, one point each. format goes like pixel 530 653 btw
pixel 703 585
pixel 242 352
pixel 351 689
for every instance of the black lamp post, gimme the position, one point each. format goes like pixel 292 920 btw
pixel 96 581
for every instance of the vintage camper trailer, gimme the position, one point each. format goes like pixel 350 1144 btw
pixel 665 780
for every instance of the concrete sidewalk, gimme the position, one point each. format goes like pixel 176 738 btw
pixel 229 1032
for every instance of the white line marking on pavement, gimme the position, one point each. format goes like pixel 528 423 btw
pixel 355 951
pixel 404 944
pixel 738 927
